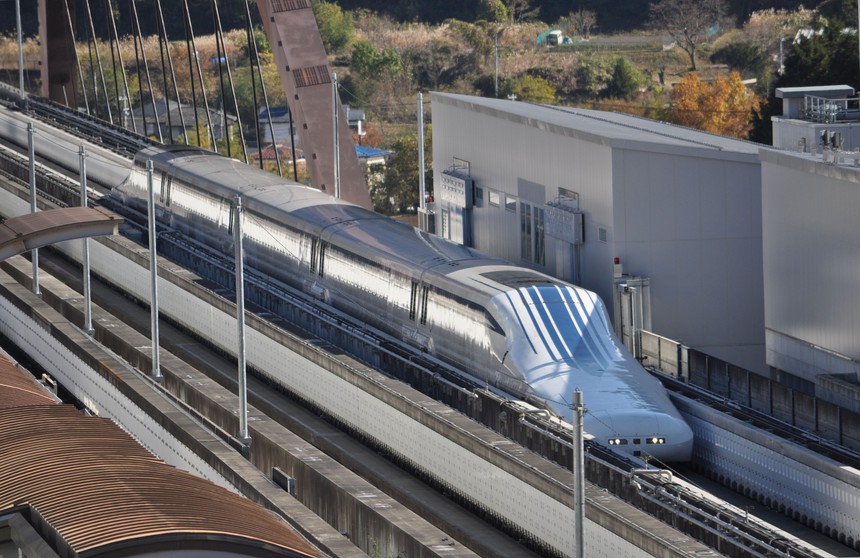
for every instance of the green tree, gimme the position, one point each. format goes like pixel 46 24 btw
pixel 530 88
pixel 743 57
pixel 336 26
pixel 398 191
pixel 493 11
pixel 626 80
pixel 826 58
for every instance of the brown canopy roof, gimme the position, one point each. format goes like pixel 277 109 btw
pixel 103 494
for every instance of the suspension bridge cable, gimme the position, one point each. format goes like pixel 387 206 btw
pixel 161 41
pixel 172 72
pixel 252 56
pixel 136 23
pixel 191 75
pixel 139 80
pixel 252 43
pixel 121 69
pixel 77 59
pixel 220 32
pixel 200 74
pixel 222 95
pixel 113 65
pixel 99 61
pixel 92 68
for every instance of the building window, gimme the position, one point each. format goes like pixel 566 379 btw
pixel 526 231
pixel 568 198
pixel 540 252
pixel 461 166
pixel 601 234
pixel 510 203
pixel 494 198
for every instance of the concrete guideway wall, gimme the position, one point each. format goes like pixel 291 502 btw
pixel 485 475
pixel 812 489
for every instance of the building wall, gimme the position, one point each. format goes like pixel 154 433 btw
pixel 529 165
pixel 687 217
pixel 811 263
pixel 691 222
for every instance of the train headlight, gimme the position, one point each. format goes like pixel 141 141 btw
pixel 656 440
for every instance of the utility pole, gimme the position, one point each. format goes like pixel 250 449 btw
pixel 578 476
pixel 153 273
pixel 335 134
pixel 88 306
pixel 21 49
pixel 422 188
pixel 34 254
pixel 243 435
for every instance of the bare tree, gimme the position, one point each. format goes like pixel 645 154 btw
pixel 521 10
pixel 687 21
pixel 581 22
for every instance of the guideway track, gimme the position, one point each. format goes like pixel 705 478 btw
pixel 552 442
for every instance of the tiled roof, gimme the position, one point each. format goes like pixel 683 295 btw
pixel 100 491
pixel 18 389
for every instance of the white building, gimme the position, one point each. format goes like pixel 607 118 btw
pixel 811 236
pixel 566 191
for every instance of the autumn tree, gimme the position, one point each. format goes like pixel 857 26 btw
pixel 687 21
pixel 724 106
pixel 581 22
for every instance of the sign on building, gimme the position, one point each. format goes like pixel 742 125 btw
pixel 456 190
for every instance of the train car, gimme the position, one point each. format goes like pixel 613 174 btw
pixel 528 334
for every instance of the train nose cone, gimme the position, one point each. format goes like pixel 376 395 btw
pixel 643 434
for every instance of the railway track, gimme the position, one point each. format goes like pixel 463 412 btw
pixel 729 531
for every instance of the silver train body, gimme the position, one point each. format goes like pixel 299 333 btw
pixel 528 334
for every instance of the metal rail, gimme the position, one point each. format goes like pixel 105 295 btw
pixel 729 531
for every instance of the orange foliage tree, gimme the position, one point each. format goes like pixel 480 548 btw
pixel 724 106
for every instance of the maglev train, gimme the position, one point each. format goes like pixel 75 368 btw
pixel 526 333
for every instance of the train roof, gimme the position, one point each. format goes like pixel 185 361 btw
pixel 370 235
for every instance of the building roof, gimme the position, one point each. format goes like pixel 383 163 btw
pixel 828 91
pixel 162 106
pixel 613 129
pixel 18 389
pixel 89 489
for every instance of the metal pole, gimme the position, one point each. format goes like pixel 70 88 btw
pixel 496 50
pixel 20 49
pixel 153 269
pixel 422 191
pixel 578 476
pixel 88 310
pixel 243 435
pixel 335 121
pixel 34 254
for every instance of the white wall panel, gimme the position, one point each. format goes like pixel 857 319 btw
pixel 811 259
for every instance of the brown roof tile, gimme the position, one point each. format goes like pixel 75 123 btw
pixel 100 490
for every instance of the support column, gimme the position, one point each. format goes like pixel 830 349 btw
pixel 57 59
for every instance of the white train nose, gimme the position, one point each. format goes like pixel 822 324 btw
pixel 642 434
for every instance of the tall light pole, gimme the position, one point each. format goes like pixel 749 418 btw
pixel 21 49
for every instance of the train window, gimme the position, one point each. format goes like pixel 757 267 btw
pixel 322 260
pixel 230 218
pixel 413 300
pixel 424 292
pixel 494 198
pixel 165 188
pixel 510 203
pixel 313 262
